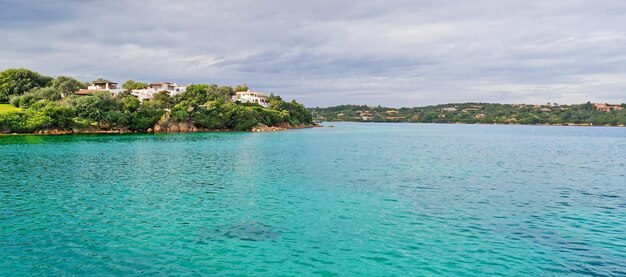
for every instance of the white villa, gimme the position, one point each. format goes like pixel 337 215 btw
pixel 251 96
pixel 103 85
pixel 142 94
pixel 174 89
pixel 153 88
pixel 100 85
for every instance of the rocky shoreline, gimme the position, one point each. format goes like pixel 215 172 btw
pixel 168 128
pixel 190 128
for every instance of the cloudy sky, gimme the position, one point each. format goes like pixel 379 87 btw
pixel 323 53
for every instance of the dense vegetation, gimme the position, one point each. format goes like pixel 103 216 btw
pixel 583 114
pixel 50 104
pixel 19 81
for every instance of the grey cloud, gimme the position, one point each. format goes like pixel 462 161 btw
pixel 397 53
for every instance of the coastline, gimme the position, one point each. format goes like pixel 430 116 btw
pixel 265 129
pixel 166 130
pixel 466 123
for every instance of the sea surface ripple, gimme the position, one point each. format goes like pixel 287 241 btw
pixel 354 200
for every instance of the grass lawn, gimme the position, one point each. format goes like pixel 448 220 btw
pixel 4 108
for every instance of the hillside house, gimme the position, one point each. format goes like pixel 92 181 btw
pixel 472 108
pixel 102 84
pixel 607 107
pixel 173 88
pixel 251 97
pixel 153 88
pixel 365 115
pixel 99 85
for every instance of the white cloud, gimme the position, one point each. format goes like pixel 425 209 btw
pixel 397 53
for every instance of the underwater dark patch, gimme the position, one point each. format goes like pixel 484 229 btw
pixel 245 230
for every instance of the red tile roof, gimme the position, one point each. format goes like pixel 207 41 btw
pixel 86 91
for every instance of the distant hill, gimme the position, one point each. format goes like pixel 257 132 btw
pixel 484 113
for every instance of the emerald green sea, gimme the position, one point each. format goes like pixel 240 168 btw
pixel 358 199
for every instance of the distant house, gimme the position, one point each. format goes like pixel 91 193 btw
pixel 167 86
pixel 99 85
pixel 473 108
pixel 365 115
pixel 469 110
pixel 607 107
pixel 153 88
pixel 479 116
pixel 392 115
pixel 449 109
pixel 102 84
pixel 251 97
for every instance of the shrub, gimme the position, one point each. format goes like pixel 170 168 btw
pixel 12 122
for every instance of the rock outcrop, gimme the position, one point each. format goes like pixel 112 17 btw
pixel 265 128
pixel 281 127
pixel 182 127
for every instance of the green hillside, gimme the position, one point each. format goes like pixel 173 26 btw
pixel 485 113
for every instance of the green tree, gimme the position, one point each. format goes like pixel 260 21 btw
pixel 129 103
pixel 20 81
pixel 26 100
pixel 95 107
pixel 125 93
pixel 163 99
pixel 196 94
pixel 130 85
pixel 66 85
pixel 37 94
pixel 242 87
pixel 430 116
pixel 180 112
pixel 58 115
pixel 12 122
pixel 244 118
pixel 275 102
pixel 145 118
pixel 223 93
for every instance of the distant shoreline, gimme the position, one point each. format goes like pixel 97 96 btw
pixel 465 123
pixel 586 114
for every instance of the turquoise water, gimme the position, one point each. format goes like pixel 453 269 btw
pixel 353 200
